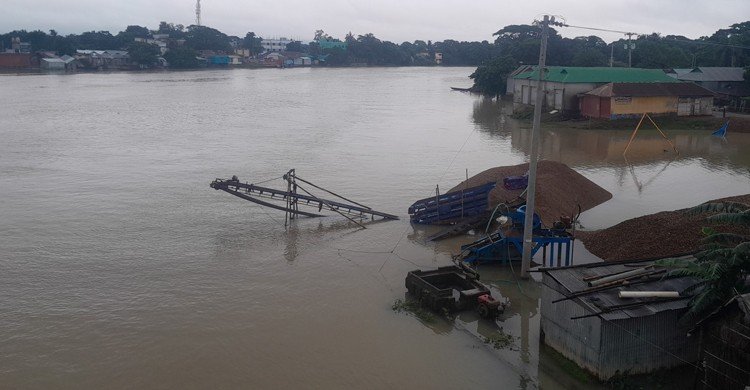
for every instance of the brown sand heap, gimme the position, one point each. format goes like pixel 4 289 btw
pixel 664 234
pixel 559 189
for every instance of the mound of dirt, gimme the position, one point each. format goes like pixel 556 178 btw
pixel 559 189
pixel 664 234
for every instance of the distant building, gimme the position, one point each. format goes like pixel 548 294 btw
pixel 243 52
pixel 608 335
pixel 162 44
pixel 274 60
pixel 727 83
pixel 17 60
pixel 70 63
pixel 618 100
pixel 303 61
pixel 275 45
pixel 103 59
pixel 16 46
pixel 219 60
pixel 439 58
pixel 52 64
pixel 563 84
pixel 330 43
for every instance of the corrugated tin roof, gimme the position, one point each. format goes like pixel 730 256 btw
pixel 572 74
pixel 607 302
pixel 709 73
pixel 650 89
pixel 53 60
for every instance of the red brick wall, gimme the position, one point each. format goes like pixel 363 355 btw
pixel 15 60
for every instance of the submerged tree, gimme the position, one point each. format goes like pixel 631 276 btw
pixel 723 267
pixel 490 78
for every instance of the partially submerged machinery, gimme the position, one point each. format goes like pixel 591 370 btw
pixel 292 199
pixel 453 288
pixel 506 244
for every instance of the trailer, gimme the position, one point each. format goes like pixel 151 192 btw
pixel 453 288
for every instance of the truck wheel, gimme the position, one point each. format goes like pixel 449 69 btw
pixel 483 310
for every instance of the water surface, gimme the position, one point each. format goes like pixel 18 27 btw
pixel 121 268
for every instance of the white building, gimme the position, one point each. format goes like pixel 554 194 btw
pixel 275 45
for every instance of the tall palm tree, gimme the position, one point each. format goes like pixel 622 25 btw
pixel 723 266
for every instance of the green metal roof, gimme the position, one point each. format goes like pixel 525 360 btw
pixel 572 74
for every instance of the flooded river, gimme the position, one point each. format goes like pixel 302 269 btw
pixel 121 268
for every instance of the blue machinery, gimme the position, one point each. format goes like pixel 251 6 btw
pixel 452 206
pixel 507 245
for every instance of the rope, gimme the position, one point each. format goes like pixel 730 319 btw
pixel 266 181
pixel 401 237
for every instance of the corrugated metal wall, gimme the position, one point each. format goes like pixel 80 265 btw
pixel 726 352
pixel 636 345
pixel 646 344
pixel 577 340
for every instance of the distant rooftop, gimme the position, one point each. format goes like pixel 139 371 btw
pixel 573 74
pixel 684 89
pixel 710 73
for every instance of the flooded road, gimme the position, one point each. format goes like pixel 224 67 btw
pixel 121 268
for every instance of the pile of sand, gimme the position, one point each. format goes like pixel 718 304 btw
pixel 559 189
pixel 664 234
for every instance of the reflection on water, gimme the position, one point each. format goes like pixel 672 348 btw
pixel 651 178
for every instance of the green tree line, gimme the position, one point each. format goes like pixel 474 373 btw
pixel 513 45
pixel 519 44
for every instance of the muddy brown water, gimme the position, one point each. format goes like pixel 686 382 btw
pixel 122 269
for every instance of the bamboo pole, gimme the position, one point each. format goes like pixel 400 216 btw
pixel 663 135
pixel 632 136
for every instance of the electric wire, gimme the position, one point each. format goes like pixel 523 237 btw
pixel 696 41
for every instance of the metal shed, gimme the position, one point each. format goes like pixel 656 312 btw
pixel 52 64
pixel 608 335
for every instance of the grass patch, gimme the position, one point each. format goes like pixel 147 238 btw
pixel 501 340
pixel 414 308
pixel 570 367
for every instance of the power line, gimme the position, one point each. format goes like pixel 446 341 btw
pixel 695 41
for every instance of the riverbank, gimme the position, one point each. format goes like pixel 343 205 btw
pixel 737 124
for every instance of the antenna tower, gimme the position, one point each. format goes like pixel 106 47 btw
pixel 198 13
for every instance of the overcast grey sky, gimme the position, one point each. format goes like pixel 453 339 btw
pixel 393 20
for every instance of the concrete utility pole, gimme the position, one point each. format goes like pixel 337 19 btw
pixel 528 225
pixel 630 49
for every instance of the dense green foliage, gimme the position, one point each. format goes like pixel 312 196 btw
pixel 521 43
pixel 182 58
pixel 143 53
pixel 723 267
pixel 252 43
pixel 518 44
pixel 492 75
pixel 206 38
